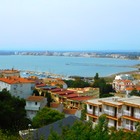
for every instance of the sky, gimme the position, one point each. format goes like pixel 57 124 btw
pixel 70 25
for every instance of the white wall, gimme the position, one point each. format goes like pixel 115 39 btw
pixel 23 90
pixel 32 107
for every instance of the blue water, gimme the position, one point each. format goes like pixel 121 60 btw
pixel 68 65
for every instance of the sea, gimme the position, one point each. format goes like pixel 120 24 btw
pixel 68 66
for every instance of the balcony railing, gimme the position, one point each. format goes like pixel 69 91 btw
pixel 31 108
pixel 126 113
pixel 129 127
pixel 109 112
pixel 90 111
pixel 137 115
pixel 110 125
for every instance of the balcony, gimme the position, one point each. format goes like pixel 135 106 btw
pixel 110 125
pixel 109 112
pixel 32 108
pixel 129 127
pixel 90 111
pixel 126 113
pixel 137 115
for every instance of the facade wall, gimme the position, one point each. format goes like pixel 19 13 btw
pixel 22 90
pixel 119 117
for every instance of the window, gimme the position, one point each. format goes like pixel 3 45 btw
pixel 100 109
pixel 35 103
pixel 90 106
pixel 127 108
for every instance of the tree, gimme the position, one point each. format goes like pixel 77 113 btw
pixel 101 130
pixel 35 92
pixel 135 92
pixel 96 77
pixel 6 136
pixel 49 98
pixel 84 131
pixel 83 113
pixel 77 83
pixel 46 116
pixel 12 112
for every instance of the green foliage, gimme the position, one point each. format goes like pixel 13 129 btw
pixel 46 116
pixel 77 83
pixel 35 92
pixel 104 88
pixel 83 113
pixel 96 77
pixel 54 136
pixel 101 130
pixel 84 131
pixel 12 112
pixel 49 98
pixel 134 92
pixel 6 136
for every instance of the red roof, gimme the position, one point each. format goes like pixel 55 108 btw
pixel 70 111
pixel 16 80
pixel 81 98
pixel 56 90
pixel 54 105
pixel 35 98
pixel 65 92
pixel 40 85
pixel 72 95
pixel 132 88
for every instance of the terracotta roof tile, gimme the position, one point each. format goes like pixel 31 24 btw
pixel 72 95
pixel 35 98
pixel 15 80
pixel 55 90
pixel 40 85
pixel 70 111
pixel 82 98
pixel 54 105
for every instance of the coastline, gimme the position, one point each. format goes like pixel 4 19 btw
pixel 127 72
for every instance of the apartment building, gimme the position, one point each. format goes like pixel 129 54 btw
pixel 120 112
pixel 17 86
pixel 131 113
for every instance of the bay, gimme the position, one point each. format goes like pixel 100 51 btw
pixel 68 66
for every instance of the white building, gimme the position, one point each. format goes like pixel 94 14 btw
pixel 34 104
pixel 120 112
pixel 17 86
pixel 124 77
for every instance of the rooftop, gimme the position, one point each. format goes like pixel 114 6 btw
pixel 15 80
pixel 133 100
pixel 35 98
pixel 54 105
pixel 81 98
pixel 70 111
